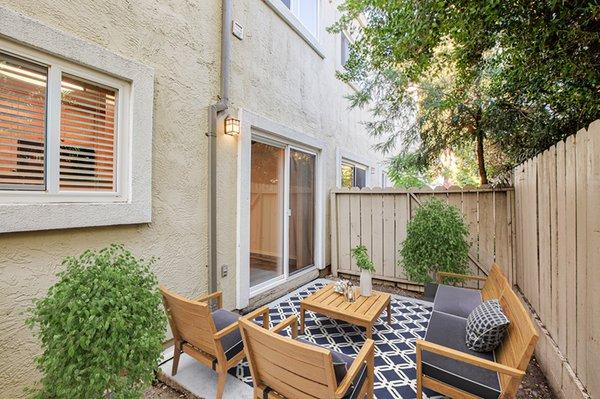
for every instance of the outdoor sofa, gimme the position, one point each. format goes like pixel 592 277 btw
pixel 447 366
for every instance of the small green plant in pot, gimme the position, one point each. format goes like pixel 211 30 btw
pixel 101 327
pixel 436 240
pixel 365 264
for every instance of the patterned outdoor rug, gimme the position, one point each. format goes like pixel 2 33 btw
pixel 395 371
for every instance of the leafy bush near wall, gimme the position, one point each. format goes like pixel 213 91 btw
pixel 436 240
pixel 101 327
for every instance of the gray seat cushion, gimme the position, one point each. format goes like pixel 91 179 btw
pixel 341 364
pixel 232 342
pixel 456 301
pixel 449 330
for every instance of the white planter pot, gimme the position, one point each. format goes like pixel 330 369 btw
pixel 366 283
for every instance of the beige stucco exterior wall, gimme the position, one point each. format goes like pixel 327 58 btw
pixel 161 35
pixel 275 74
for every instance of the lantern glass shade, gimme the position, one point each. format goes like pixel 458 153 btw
pixel 232 126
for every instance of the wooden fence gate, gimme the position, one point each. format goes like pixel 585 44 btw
pixel 377 218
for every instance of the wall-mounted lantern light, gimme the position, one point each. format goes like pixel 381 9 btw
pixel 232 126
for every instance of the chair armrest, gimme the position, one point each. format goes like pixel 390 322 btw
pixel 215 295
pixel 264 311
pixel 366 354
pixel 225 331
pixel 467 358
pixel 440 276
pixel 291 321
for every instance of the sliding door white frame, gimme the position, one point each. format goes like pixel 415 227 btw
pixel 264 130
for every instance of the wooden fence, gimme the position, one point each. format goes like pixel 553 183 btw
pixel 557 251
pixel 377 218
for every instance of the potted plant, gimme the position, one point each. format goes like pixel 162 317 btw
pixel 365 264
pixel 101 327
pixel 436 240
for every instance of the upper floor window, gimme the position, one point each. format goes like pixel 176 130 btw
pixel 345 48
pixel 60 129
pixel 307 12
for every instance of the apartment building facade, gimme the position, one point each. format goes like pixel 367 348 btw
pixel 105 137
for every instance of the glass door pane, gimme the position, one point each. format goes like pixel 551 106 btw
pixel 266 212
pixel 302 207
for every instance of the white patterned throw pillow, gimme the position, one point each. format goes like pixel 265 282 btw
pixel 486 326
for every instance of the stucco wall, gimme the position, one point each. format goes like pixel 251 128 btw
pixel 160 34
pixel 275 74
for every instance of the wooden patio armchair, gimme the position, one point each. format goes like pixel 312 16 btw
pixel 291 368
pixel 210 337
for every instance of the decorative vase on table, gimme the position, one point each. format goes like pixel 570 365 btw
pixel 365 264
pixel 366 282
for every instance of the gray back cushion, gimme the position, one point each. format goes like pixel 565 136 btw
pixel 486 326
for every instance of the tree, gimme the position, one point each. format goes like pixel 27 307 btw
pixel 513 75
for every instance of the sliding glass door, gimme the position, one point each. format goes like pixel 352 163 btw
pixel 282 211
pixel 266 207
pixel 302 210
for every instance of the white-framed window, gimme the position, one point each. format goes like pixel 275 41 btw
pixel 75 131
pixel 303 17
pixel 353 174
pixel 345 42
pixel 307 12
pixel 63 130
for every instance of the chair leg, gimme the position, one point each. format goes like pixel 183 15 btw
pixel 221 383
pixel 176 354
pixel 419 375
pixel 371 375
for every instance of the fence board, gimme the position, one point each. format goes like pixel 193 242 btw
pixel 389 235
pixel 571 245
pixel 487 230
pixel 543 195
pixel 377 235
pixel 561 241
pixel 581 182
pixel 402 210
pixel 593 253
pixel 355 227
pixel 552 321
pixel 343 237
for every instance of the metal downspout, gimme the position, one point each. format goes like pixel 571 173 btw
pixel 214 112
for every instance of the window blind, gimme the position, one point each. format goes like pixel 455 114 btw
pixel 22 124
pixel 87 136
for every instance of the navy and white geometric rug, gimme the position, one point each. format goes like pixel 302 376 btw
pixel 395 370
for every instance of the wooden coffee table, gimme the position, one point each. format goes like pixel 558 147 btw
pixel 363 312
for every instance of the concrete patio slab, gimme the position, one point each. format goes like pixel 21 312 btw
pixel 199 380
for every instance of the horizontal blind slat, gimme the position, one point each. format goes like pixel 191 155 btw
pixel 87 153
pixel 22 123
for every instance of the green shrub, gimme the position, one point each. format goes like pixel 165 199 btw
pixel 363 261
pixel 437 240
pixel 101 327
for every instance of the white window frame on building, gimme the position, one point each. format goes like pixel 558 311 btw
pixel 291 12
pixel 48 206
pixel 258 128
pixel 347 158
pixel 57 70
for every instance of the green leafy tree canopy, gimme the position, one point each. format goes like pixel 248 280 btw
pixel 516 76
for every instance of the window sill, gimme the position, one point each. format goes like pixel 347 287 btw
pixel 293 22
pixel 31 211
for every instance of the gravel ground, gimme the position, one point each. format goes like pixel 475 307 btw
pixel 534 384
